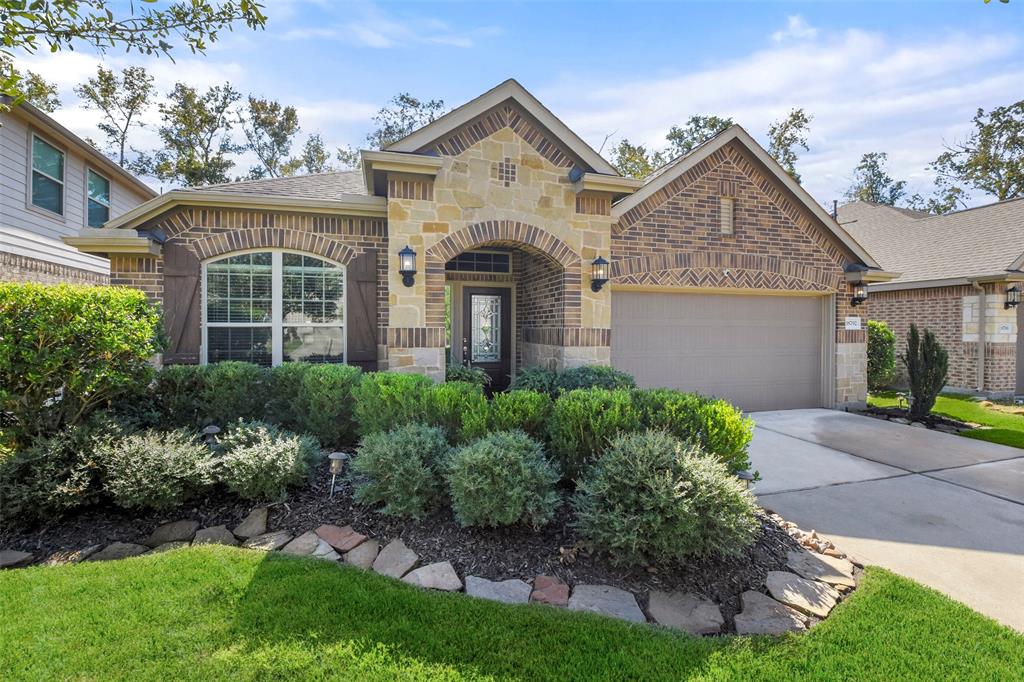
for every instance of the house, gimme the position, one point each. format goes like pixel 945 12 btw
pixel 496 236
pixel 52 184
pixel 956 272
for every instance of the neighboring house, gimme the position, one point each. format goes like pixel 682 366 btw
pixel 725 276
pixel 955 273
pixel 52 184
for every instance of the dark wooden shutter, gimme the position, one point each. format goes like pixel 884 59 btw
pixel 182 304
pixel 361 311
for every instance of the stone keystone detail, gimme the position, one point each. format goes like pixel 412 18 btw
pixel 806 596
pixel 762 615
pixel 606 600
pixel 395 559
pixel 439 576
pixel 685 612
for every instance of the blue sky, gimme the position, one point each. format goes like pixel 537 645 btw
pixel 898 77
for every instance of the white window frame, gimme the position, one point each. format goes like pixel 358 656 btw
pixel 276 324
pixel 110 194
pixel 61 180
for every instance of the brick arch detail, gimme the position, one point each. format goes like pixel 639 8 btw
pixel 273 238
pixel 510 233
pixel 704 268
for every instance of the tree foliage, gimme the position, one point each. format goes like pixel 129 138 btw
pixel 27 25
pixel 785 136
pixel 696 131
pixel 315 157
pixel 122 100
pixel 872 183
pixel 400 116
pixel 33 88
pixel 991 159
pixel 636 160
pixel 270 129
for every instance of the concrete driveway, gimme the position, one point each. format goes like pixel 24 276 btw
pixel 944 510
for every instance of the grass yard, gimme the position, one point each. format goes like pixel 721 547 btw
pixel 1007 429
pixel 219 613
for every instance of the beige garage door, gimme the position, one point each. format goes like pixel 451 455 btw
pixel 759 352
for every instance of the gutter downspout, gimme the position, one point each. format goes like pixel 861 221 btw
pixel 982 323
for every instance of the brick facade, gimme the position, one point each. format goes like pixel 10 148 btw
pixel 16 268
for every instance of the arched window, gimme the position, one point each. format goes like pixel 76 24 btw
pixel 270 307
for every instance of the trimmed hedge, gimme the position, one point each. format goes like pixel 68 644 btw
pixel 583 422
pixel 385 400
pixel 234 390
pixel 528 411
pixel 67 350
pixel 324 403
pixel 178 391
pixel 881 355
pixel 452 406
pixel 593 376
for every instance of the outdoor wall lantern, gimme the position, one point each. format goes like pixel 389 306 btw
pixel 407 266
pixel 598 274
pixel 1012 297
pixel 860 294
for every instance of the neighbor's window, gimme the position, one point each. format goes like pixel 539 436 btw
pixel 99 199
pixel 273 307
pixel 47 176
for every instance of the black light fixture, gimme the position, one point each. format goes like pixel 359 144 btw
pixel 598 274
pixel 1012 297
pixel 860 294
pixel 407 266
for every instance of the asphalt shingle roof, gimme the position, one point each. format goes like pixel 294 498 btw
pixel 333 185
pixel 971 243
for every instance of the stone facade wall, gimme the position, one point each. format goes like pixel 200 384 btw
pixel 952 314
pixel 16 268
pixel 674 239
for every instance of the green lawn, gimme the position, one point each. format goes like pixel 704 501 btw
pixel 218 612
pixel 1007 429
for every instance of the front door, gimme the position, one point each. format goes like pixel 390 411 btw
pixel 487 332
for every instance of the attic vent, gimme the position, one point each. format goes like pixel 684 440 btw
pixel 725 214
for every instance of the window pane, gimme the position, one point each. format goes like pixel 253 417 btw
pixel 98 213
pixel 314 344
pixel 249 344
pixel 47 159
pixel 313 290
pixel 47 193
pixel 99 189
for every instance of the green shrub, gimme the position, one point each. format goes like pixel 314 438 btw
pixel 881 355
pixel 385 400
pixel 55 474
pixel 448 406
pixel 179 391
pixel 593 376
pixel 500 480
pixel 926 362
pixel 534 379
pixel 649 500
pixel 260 462
pixel 401 469
pixel 284 406
pixel 525 410
pixel 67 350
pixel 583 422
pixel 714 424
pixel 325 403
pixel 233 391
pixel 472 375
pixel 155 469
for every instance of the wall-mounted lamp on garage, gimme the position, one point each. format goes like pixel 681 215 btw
pixel 598 274
pixel 860 294
pixel 1012 297
pixel 407 266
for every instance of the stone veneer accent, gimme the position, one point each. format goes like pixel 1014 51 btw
pixel 951 313
pixel 17 268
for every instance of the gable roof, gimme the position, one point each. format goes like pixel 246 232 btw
pixel 734 133
pixel 509 90
pixel 981 242
pixel 331 185
pixel 40 119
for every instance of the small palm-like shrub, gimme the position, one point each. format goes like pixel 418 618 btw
pixel 584 421
pixel 155 469
pixel 534 379
pixel 652 500
pixel 233 391
pixel 593 376
pixel 260 461
pixel 385 400
pixel 401 469
pixel 524 410
pixel 500 480
pixel 450 405
pixel 926 362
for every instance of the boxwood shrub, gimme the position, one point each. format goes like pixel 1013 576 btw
pixel 451 406
pixel 179 391
pixel 283 404
pixel 525 410
pixel 234 390
pixel 384 400
pixel 500 480
pixel 653 500
pixel 324 405
pixel 584 421
pixel 401 469
pixel 258 461
pixel 593 376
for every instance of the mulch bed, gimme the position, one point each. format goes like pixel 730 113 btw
pixel 496 554
pixel 932 421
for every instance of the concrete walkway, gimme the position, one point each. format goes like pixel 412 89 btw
pixel 944 510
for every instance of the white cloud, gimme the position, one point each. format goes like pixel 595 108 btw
pixel 796 28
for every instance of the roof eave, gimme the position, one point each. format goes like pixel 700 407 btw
pixel 98 240
pixel 377 163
